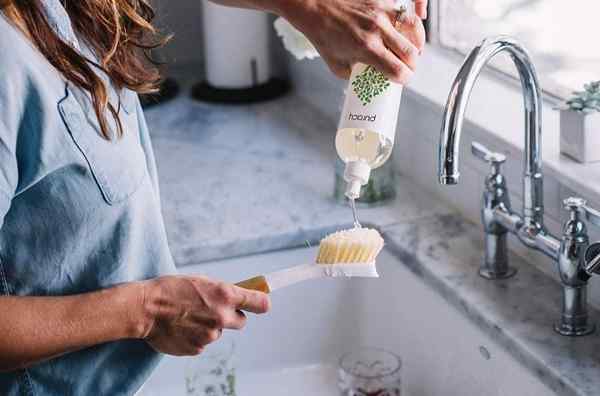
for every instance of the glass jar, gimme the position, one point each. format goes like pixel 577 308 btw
pixel 380 188
pixel 212 373
pixel 370 372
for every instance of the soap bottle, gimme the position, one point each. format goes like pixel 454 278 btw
pixel 367 127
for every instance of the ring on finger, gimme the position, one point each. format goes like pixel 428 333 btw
pixel 399 15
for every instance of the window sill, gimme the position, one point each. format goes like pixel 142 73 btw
pixel 496 107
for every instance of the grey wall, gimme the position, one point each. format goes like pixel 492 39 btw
pixel 184 53
pixel 184 19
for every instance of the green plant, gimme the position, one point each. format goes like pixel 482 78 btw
pixel 586 101
pixel 368 84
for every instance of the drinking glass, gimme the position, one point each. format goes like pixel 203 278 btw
pixel 370 372
pixel 212 373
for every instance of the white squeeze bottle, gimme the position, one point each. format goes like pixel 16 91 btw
pixel 367 127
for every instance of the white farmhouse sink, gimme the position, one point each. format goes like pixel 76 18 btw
pixel 294 349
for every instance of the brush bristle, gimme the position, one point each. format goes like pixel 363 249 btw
pixel 357 245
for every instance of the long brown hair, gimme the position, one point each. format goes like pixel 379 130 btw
pixel 119 32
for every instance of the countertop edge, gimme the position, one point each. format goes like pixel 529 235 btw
pixel 562 363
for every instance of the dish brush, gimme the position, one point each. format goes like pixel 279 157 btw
pixel 348 253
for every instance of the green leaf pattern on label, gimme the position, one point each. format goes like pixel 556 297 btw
pixel 368 84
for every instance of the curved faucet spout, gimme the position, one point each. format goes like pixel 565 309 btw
pixel 456 107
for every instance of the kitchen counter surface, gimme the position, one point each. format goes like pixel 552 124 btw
pixel 250 179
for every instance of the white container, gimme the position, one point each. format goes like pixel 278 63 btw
pixel 580 135
pixel 236 46
pixel 367 127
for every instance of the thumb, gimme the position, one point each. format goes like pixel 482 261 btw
pixel 252 301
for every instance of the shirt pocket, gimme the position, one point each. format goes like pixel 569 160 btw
pixel 118 165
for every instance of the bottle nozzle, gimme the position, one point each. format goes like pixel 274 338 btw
pixel 356 175
pixel 353 189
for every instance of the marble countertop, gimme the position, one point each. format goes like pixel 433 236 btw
pixel 519 313
pixel 244 180
pixel 249 179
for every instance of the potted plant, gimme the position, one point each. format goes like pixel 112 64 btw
pixel 580 124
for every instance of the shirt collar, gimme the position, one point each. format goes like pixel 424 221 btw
pixel 59 20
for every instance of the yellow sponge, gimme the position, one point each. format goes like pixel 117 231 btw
pixel 357 245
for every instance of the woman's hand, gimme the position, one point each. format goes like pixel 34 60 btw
pixel 187 313
pixel 349 31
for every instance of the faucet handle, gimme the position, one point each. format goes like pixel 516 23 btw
pixel 487 155
pixel 491 157
pixel 578 206
pixel 575 204
pixel 592 258
pixel 592 215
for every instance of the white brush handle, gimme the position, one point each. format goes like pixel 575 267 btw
pixel 289 276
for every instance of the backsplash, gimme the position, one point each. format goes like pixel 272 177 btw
pixel 415 155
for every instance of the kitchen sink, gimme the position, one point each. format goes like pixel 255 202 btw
pixel 294 349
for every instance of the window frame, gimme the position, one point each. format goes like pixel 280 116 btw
pixel 552 92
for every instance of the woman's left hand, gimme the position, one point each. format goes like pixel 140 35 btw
pixel 346 32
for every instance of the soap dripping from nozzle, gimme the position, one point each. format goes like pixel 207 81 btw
pixel 354 213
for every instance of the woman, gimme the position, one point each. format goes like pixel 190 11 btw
pixel 88 299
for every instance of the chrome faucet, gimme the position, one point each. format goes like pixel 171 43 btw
pixel 576 258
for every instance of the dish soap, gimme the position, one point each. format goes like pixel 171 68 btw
pixel 367 127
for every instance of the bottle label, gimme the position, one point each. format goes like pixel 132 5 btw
pixel 372 102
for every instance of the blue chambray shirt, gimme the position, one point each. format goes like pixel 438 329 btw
pixel 77 212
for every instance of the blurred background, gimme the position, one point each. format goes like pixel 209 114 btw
pixel 183 18
pixel 561 35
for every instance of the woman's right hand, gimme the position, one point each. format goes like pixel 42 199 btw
pixel 185 313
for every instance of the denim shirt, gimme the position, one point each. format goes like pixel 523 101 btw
pixel 77 212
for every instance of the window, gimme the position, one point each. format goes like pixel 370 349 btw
pixel 562 36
